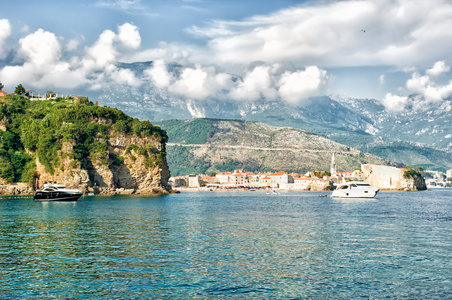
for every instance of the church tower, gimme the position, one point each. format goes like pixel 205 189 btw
pixel 333 166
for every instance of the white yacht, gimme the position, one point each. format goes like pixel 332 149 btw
pixel 57 192
pixel 355 189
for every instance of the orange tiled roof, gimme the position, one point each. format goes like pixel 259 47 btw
pixel 224 173
pixel 278 174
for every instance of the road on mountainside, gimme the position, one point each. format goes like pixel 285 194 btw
pixel 260 148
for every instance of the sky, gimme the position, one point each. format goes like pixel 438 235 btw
pixel 396 51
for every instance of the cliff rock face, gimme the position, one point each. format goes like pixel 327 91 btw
pixel 144 167
pixel 131 163
pixel 414 183
pixel 68 173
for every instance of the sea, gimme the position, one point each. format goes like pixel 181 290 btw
pixel 228 245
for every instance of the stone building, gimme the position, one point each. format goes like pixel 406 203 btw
pixel 194 181
pixel 391 178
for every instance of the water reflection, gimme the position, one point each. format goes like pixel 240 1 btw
pixel 354 200
pixel 248 245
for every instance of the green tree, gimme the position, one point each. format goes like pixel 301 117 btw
pixel 420 169
pixel 6 171
pixel 19 89
pixel 1 86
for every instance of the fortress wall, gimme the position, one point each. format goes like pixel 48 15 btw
pixel 383 177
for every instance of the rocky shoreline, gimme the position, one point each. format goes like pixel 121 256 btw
pixel 22 189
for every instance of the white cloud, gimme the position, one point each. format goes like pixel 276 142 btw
pixel 300 85
pixel 256 84
pixel 5 32
pixel 125 77
pixel 164 51
pixel 395 103
pixel 121 4
pixel 129 36
pixel 338 33
pixel 41 52
pixel 159 74
pixel 199 82
pixel 72 45
pixel 261 82
pixel 432 92
pixel 45 66
pixel 192 84
pixel 438 68
pixel 381 79
pixel 426 93
pixel 103 51
pixel 322 34
pixel 25 29
pixel 41 49
pixel 216 29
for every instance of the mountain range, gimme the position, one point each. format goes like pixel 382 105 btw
pixel 421 138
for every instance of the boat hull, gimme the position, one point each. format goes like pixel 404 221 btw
pixel 355 189
pixel 39 196
pixel 353 194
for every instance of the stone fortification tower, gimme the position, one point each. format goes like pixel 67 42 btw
pixel 333 166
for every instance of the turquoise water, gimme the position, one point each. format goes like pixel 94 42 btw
pixel 228 245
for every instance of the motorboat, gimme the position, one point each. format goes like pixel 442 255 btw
pixel 57 192
pixel 355 189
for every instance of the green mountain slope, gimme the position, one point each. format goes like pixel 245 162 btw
pixel 213 145
pixel 412 154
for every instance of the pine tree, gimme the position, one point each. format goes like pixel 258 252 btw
pixel 19 89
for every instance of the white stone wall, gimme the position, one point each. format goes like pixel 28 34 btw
pixel 384 177
pixel 449 173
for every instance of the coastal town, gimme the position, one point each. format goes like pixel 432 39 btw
pixel 383 177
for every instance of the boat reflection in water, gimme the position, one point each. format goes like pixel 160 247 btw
pixel 355 189
pixel 57 192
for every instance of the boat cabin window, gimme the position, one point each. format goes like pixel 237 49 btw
pixel 353 185
pixel 363 184
pixel 344 187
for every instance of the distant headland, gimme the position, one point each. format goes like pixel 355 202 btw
pixel 73 141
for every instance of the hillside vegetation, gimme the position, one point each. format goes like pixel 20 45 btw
pixel 38 129
pixel 423 156
pixel 211 145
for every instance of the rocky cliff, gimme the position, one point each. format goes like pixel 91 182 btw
pixel 414 183
pixel 132 164
pixel 75 142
